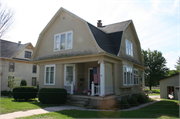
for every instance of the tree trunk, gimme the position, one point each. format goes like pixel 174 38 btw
pixel 150 87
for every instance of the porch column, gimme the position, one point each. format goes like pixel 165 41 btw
pixel 92 88
pixel 72 87
pixel 143 83
pixel 102 78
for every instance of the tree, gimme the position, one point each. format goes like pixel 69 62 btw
pixel 178 65
pixel 156 67
pixel 12 81
pixel 6 19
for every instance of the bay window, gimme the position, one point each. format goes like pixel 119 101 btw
pixel 136 76
pixel 127 75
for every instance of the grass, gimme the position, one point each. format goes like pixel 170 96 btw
pixel 155 92
pixel 162 109
pixel 9 105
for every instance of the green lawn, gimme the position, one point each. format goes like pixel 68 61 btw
pixel 163 109
pixel 9 105
pixel 155 92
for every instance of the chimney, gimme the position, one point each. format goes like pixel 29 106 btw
pixel 99 24
pixel 19 42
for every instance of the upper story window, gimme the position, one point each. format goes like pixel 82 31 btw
pixel 63 41
pixel 34 70
pixel 11 66
pixel 129 48
pixel 27 54
pixel 127 75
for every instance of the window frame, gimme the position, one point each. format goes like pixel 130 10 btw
pixel 33 69
pixel 66 47
pixel 35 81
pixel 11 65
pixel 130 48
pixel 136 77
pixel 65 74
pixel 27 54
pixel 131 76
pixel 53 65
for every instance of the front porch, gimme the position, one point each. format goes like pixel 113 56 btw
pixel 95 76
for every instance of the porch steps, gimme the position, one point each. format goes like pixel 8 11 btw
pixel 78 101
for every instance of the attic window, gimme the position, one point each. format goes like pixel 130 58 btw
pixel 27 54
pixel 129 48
pixel 63 41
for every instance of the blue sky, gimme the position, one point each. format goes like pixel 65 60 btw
pixel 156 21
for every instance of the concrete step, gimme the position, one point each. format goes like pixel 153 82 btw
pixel 78 101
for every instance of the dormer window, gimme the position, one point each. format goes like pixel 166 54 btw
pixel 129 48
pixel 63 41
pixel 27 54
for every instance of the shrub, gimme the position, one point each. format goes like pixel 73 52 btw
pixel 124 104
pixel 141 98
pixel 23 83
pixel 24 92
pixel 52 95
pixel 5 93
pixel 133 101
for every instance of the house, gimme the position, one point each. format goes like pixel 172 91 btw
pixel 15 58
pixel 169 87
pixel 74 54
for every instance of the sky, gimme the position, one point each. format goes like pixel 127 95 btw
pixel 157 22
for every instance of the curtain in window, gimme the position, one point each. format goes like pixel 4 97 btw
pixel 63 41
pixel 69 40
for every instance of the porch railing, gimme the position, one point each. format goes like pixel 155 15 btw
pixel 95 89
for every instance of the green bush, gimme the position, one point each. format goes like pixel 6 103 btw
pixel 141 98
pixel 52 95
pixel 123 104
pixel 133 101
pixel 23 83
pixel 5 93
pixel 24 92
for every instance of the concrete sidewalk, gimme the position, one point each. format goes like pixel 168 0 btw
pixel 65 107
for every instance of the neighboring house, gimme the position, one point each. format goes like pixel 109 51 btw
pixel 169 86
pixel 108 58
pixel 15 58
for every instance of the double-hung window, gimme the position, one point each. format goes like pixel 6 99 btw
pixel 63 41
pixel 129 48
pixel 136 76
pixel 27 54
pixel 69 74
pixel 11 66
pixel 127 75
pixel 49 75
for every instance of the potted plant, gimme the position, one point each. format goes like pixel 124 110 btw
pixel 75 91
pixel 89 92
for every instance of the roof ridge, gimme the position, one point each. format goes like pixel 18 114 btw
pixel 14 42
pixel 115 23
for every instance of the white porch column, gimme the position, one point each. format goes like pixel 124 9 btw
pixel 92 88
pixel 143 83
pixel 102 78
pixel 72 87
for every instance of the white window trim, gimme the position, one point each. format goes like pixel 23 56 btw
pixel 126 76
pixel 65 41
pixel 131 54
pixel 65 74
pixel 138 76
pixel 53 65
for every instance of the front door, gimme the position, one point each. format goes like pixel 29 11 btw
pixel 90 77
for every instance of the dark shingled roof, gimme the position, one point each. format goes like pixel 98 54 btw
pixel 9 49
pixel 109 37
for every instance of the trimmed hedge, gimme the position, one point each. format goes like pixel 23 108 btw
pixel 5 93
pixel 24 92
pixel 52 95
pixel 23 83
pixel 124 104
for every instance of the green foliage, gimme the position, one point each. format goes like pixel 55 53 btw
pixel 141 98
pixel 23 83
pixel 171 72
pixel 5 93
pixel 124 104
pixel 156 67
pixel 133 101
pixel 178 65
pixel 37 86
pixel 24 92
pixel 52 95
pixel 12 81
